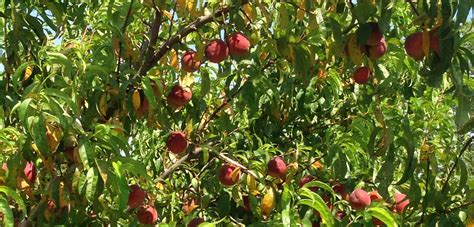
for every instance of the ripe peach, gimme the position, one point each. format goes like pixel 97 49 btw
pixel 378 50
pixel 188 63
pixel 362 75
pixel 177 142
pixel 401 202
pixel 238 44
pixel 377 222
pixel 434 40
pixel 375 196
pixel 225 175
pixel 136 196
pixel 359 199
pixel 276 167
pixel 147 215
pixel 216 51
pixel 414 46
pixel 307 179
pixel 179 96
pixel 30 172
pixel 195 222
pixel 375 36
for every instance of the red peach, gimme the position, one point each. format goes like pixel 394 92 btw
pixel 362 75
pixel 216 51
pixel 276 167
pixel 375 36
pixel 195 222
pixel 225 175
pixel 375 196
pixel 414 46
pixel 177 142
pixel 378 50
pixel 238 44
pixel 359 199
pixel 307 179
pixel 30 172
pixel 401 202
pixel 179 96
pixel 188 63
pixel 136 196
pixel 147 215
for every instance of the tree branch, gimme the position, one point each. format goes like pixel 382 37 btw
pixel 235 163
pixel 413 7
pixel 199 22
pixel 450 173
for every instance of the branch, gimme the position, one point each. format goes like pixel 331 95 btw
pixel 235 163
pixel 199 22
pixel 168 171
pixel 450 173
pixel 153 34
pixel 413 7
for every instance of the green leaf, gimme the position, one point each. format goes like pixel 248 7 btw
pixel 384 215
pixel 91 186
pixel 316 202
pixel 7 212
pixel 285 206
pixel 15 196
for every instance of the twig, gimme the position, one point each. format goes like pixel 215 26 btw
pixel 153 34
pixel 413 7
pixel 168 171
pixel 172 19
pixel 235 163
pixel 450 173
pixel 199 22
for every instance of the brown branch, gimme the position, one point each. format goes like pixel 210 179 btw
pixel 237 164
pixel 124 27
pixel 168 171
pixel 153 34
pixel 199 22
pixel 450 173
pixel 413 7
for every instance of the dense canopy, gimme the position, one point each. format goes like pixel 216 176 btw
pixel 236 112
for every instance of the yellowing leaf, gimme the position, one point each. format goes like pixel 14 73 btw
pixel 252 185
pixel 186 80
pixel 53 136
pixel 235 174
pixel 136 99
pixel 249 11
pixel 174 59
pixel 354 50
pixel 317 165
pixel 300 13
pixel 181 6
pixel 102 107
pixel 159 186
pixel 28 72
pixel 268 202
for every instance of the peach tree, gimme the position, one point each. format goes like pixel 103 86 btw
pixel 236 113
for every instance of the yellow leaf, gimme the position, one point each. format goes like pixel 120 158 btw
pixel 191 5
pixel 268 202
pixel 103 104
pixel 354 50
pixel 174 59
pixel 186 80
pixel 250 12
pixel 426 42
pixel 136 99
pixel 317 165
pixel 252 185
pixel 181 5
pixel 235 174
pixel 159 186
pixel 301 10
pixel 53 136
pixel 28 72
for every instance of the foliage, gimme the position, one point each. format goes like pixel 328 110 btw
pixel 77 74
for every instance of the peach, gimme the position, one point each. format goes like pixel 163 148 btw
pixel 375 196
pixel 401 202
pixel 188 63
pixel 177 142
pixel 225 175
pixel 147 215
pixel 195 222
pixel 378 50
pixel 307 179
pixel 246 203
pixel 276 167
pixel 238 44
pixel 359 199
pixel 30 172
pixel 179 96
pixel 414 46
pixel 362 75
pixel 216 51
pixel 375 36
pixel 136 196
